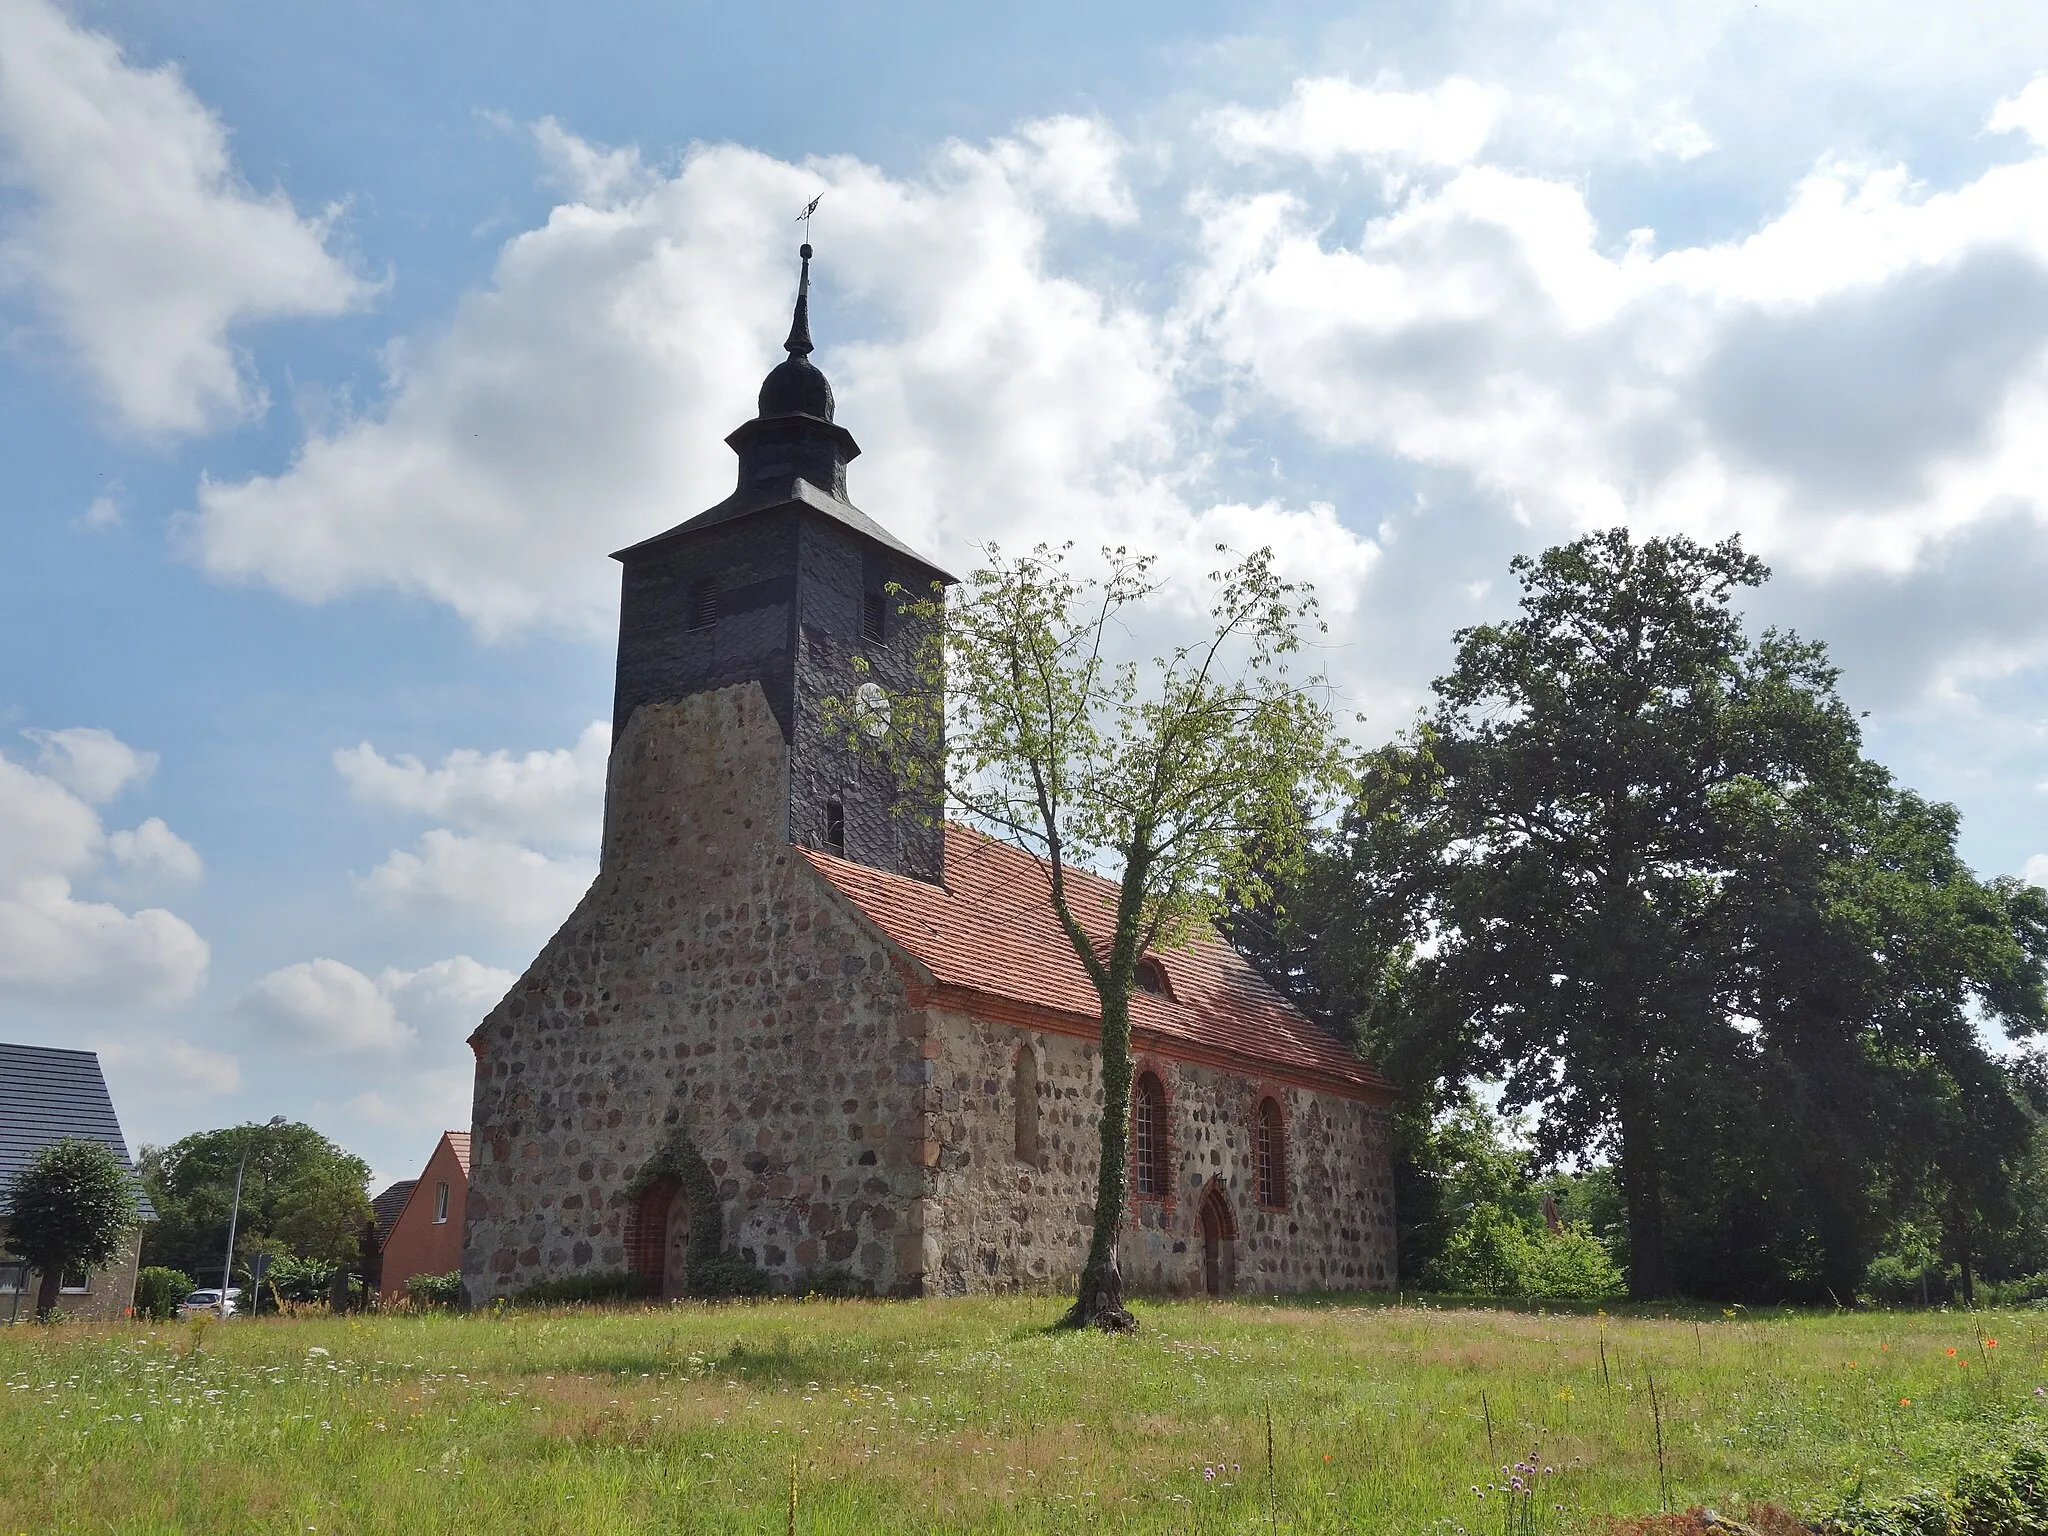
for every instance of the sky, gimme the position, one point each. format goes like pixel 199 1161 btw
pixel 340 345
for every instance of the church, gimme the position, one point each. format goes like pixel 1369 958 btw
pixel 803 1026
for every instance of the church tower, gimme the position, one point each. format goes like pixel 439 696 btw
pixel 784 583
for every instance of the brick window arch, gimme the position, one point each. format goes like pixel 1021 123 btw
pixel 1272 1150
pixel 1027 1103
pixel 1151 1164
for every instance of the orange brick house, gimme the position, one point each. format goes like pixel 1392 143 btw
pixel 426 1237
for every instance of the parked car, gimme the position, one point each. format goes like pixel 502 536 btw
pixel 208 1301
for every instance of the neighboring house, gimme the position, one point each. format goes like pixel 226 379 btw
pixel 47 1094
pixel 424 1237
pixel 798 1009
pixel 385 1208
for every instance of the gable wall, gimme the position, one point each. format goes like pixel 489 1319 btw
pixel 417 1244
pixel 995 1222
pixel 710 982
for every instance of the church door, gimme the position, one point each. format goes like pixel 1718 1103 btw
pixel 1218 1234
pixel 675 1252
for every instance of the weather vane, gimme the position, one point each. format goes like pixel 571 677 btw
pixel 804 218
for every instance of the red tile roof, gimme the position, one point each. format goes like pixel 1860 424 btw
pixel 459 1142
pixel 991 932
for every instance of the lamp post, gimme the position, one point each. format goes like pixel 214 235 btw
pixel 227 1265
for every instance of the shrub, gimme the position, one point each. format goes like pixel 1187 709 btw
pixel 1492 1254
pixel 2004 1495
pixel 304 1281
pixel 834 1281
pixel 159 1290
pixel 725 1277
pixel 435 1290
pixel 593 1289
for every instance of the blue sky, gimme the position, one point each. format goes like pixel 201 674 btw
pixel 343 343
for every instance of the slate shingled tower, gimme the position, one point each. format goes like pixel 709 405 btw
pixel 783 583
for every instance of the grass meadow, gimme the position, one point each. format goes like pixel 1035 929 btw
pixel 972 1416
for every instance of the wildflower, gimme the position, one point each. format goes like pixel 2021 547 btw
pixel 1951 1351
pixel 1905 1402
pixel 1991 1343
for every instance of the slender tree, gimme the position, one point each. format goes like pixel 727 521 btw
pixel 1181 782
pixel 69 1208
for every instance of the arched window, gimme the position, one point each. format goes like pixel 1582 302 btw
pixel 1027 1103
pixel 1272 1154
pixel 1150 1173
pixel 1150 976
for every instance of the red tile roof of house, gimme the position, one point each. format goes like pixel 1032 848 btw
pixel 458 1141
pixel 991 933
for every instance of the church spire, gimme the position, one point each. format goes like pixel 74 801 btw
pixel 794 387
pixel 799 343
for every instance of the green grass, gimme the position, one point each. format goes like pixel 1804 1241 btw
pixel 971 1415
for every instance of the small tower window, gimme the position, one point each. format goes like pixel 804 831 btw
pixel 1151 1174
pixel 704 605
pixel 835 826
pixel 872 610
pixel 1027 1104
pixel 1272 1155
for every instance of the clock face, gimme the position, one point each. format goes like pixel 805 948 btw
pixel 871 709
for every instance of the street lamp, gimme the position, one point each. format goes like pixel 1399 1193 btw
pixel 227 1265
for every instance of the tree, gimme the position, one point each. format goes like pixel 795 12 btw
pixel 1181 784
pixel 69 1208
pixel 1654 886
pixel 301 1194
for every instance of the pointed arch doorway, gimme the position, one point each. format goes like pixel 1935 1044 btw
pixel 1219 1243
pixel 661 1239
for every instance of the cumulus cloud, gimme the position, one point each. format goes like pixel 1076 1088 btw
pixel 546 797
pixel 489 878
pixel 2035 871
pixel 56 946
pixel 1327 120
pixel 569 406
pixel 1852 384
pixel 94 764
pixel 136 236
pixel 329 1008
pixel 530 825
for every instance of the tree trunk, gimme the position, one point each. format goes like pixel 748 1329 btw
pixel 1099 1302
pixel 1642 1179
pixel 52 1281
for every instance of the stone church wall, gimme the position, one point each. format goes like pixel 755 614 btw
pixel 710 984
pixel 998 1221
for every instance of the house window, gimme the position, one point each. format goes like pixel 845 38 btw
pixel 704 605
pixel 75 1283
pixel 1151 977
pixel 1027 1104
pixel 440 1203
pixel 1272 1155
pixel 871 611
pixel 1148 1137
pixel 835 826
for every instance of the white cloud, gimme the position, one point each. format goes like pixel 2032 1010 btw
pixel 2026 112
pixel 544 797
pixel 1326 120
pixel 154 851
pixel 94 764
pixel 2035 871
pixel 1853 385
pixel 104 512
pixel 492 879
pixel 574 405
pixel 330 1008
pixel 136 236
pixel 510 808
pixel 55 946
